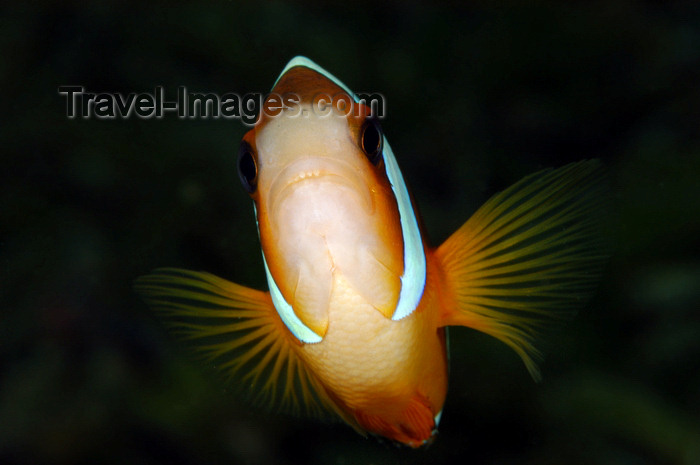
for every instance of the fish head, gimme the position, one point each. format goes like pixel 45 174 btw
pixel 314 166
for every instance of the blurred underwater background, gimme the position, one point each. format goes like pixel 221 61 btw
pixel 477 97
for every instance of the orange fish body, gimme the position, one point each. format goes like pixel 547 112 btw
pixel 391 377
pixel 354 323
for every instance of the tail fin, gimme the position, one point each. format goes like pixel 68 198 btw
pixel 528 258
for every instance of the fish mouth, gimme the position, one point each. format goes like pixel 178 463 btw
pixel 320 169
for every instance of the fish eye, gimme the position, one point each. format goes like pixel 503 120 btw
pixel 371 140
pixel 247 168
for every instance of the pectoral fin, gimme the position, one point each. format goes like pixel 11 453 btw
pixel 528 258
pixel 238 330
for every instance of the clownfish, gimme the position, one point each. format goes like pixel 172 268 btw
pixel 354 325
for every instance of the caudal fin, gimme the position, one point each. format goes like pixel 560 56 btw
pixel 528 258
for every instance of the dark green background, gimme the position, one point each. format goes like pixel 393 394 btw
pixel 477 98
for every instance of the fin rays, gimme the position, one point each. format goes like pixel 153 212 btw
pixel 237 330
pixel 517 206
pixel 528 258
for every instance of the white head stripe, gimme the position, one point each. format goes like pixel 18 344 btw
pixel 305 62
pixel 285 311
pixel 414 266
